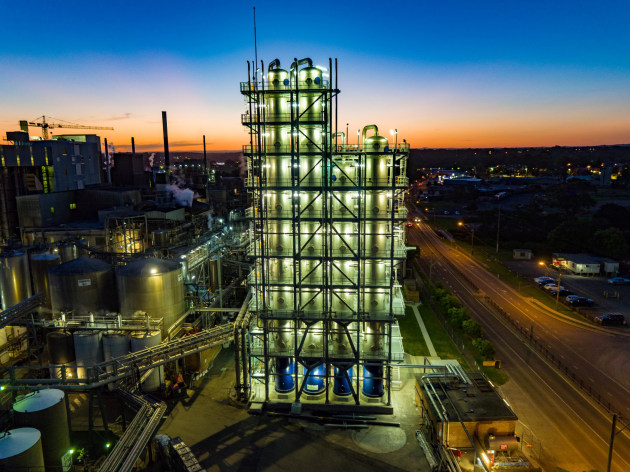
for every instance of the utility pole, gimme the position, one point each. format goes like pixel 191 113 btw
pixel 558 288
pixel 613 433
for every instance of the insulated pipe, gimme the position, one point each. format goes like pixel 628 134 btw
pixel 237 328
pixel 275 64
pixel 366 129
pixel 306 60
pixel 343 137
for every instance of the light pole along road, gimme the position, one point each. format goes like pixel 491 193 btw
pixel 573 429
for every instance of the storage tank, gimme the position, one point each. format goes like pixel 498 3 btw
pixel 40 264
pixel 67 251
pixel 343 379
pixel 285 369
pixel 83 285
pixel 214 271
pixel 141 340
pixel 15 279
pixel 154 286
pixel 160 238
pixel 61 353
pixel 45 410
pixel 88 347
pixel 315 382
pixel 21 450
pixel 115 344
pixel 373 379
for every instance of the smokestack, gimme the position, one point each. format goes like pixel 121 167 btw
pixel 133 146
pixel 167 159
pixel 109 175
pixel 205 161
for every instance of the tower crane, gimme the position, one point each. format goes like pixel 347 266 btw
pixel 45 125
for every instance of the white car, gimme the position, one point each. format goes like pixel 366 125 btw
pixel 553 287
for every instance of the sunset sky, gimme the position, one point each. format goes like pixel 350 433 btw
pixel 470 73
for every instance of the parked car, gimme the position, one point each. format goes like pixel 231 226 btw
pixel 571 297
pixel 543 280
pixel 553 286
pixel 619 281
pixel 563 292
pixel 581 301
pixel 611 319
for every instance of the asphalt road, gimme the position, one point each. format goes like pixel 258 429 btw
pixel 571 431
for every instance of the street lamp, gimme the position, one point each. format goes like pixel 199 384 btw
pixel 472 235
pixel 358 141
pixel 395 133
pixel 347 136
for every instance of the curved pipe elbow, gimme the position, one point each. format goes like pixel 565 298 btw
pixel 368 128
pixel 343 137
pixel 306 60
pixel 275 64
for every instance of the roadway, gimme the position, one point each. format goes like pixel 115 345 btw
pixel 571 430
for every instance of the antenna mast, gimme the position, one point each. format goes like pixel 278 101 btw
pixel 255 52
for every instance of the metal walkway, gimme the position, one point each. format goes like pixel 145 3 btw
pixel 133 364
pixel 15 312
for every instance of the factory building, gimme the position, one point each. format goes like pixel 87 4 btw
pixel 67 162
pixel 327 239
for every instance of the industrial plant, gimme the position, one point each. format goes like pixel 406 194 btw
pixel 125 276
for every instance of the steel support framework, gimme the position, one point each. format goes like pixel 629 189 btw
pixel 327 238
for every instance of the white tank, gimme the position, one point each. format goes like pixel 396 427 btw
pixel 88 348
pixel 45 410
pixel 141 340
pixel 115 344
pixel 21 450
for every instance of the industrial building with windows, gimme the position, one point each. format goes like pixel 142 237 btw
pixel 327 241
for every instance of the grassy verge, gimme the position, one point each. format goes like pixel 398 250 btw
pixel 442 343
pixel 412 336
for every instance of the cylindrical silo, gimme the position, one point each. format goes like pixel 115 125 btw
pixel 40 264
pixel 315 379
pixel 88 347
pixel 115 344
pixel 285 369
pixel 154 286
pixel 373 379
pixel 15 279
pixel 68 252
pixel 21 450
pixel 343 379
pixel 61 353
pixel 141 340
pixel 83 285
pixel 45 410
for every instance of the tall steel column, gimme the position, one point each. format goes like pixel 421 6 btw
pixel 327 238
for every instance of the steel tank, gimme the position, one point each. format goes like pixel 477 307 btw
pixel 40 264
pixel 83 285
pixel 160 238
pixel 342 385
pixel 88 347
pixel 373 379
pixel 61 353
pixel 45 410
pixel 285 370
pixel 21 450
pixel 315 379
pixel 214 271
pixel 15 278
pixel 115 344
pixel 154 286
pixel 67 251
pixel 141 340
